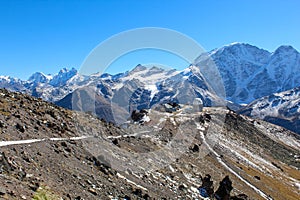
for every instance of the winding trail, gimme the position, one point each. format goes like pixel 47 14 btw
pixel 17 142
pixel 128 135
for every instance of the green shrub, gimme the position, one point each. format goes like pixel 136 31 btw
pixel 45 194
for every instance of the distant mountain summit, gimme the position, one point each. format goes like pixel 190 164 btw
pixel 39 77
pixel 57 80
pixel 250 73
pixel 13 84
pixel 62 77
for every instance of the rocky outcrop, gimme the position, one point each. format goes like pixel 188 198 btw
pixel 223 192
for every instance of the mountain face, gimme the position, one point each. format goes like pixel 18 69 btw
pixel 39 77
pixel 62 77
pixel 48 152
pixel 48 87
pixel 141 88
pixel 13 84
pixel 250 73
pixel 282 109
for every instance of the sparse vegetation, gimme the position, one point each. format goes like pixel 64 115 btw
pixel 45 194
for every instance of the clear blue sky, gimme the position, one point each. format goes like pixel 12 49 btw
pixel 47 35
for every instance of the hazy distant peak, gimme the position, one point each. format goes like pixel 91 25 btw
pixel 40 77
pixel 138 68
pixel 286 49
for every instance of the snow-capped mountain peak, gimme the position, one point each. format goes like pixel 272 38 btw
pixel 5 78
pixel 138 68
pixel 249 72
pixel 55 80
pixel 286 49
pixel 39 77
pixel 147 75
pixel 62 77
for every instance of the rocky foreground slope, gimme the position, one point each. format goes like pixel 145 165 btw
pixel 50 151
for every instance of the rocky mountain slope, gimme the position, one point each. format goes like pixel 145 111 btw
pixel 282 109
pixel 49 151
pixel 142 88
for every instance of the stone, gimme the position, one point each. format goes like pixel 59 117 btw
pixel 93 191
pixel 223 192
pixel 20 128
pixel 2 191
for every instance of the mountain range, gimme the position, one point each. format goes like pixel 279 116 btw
pixel 246 73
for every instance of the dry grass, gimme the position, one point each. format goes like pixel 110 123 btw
pixel 45 194
pixel 278 187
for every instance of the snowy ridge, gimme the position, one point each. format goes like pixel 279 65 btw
pixel 279 108
pixel 250 73
pixel 275 104
pixel 143 85
pixel 148 76
pixel 40 77
pixel 5 78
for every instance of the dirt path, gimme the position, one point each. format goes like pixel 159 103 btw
pixel 17 142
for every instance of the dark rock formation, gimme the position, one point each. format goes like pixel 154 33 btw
pixel 223 192
pixel 207 188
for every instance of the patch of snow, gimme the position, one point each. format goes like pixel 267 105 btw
pixel 153 89
pixel 131 182
pixel 297 184
pixel 172 120
pixel 171 168
pixel 186 71
pixel 6 78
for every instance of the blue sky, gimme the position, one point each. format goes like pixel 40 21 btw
pixel 49 35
